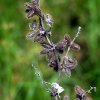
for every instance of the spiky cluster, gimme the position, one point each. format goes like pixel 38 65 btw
pixel 41 33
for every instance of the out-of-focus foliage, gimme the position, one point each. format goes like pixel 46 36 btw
pixel 17 79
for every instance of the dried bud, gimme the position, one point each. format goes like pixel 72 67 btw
pixel 75 46
pixel 54 65
pixel 61 45
pixel 33 9
pixel 46 45
pixel 29 10
pixel 45 51
pixel 39 38
pixel 80 93
pixel 67 39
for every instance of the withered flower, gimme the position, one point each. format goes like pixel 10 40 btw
pixel 50 54
pixel 36 35
pixel 56 89
pixel 40 35
pixel 80 93
pixel 75 46
pixel 49 51
pixel 46 45
pixel 61 45
pixel 39 38
pixel 33 9
pixel 68 64
pixel 65 43
pixel 54 65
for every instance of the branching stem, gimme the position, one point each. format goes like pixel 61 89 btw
pixel 77 34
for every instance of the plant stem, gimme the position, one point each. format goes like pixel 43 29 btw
pixel 56 97
pixel 59 68
pixel 56 55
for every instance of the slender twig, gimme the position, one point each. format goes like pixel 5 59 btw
pixel 41 22
pixel 77 34
pixel 49 41
pixel 59 68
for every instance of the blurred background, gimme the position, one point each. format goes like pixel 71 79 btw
pixel 17 79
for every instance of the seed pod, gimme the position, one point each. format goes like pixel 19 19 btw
pixel 80 93
pixel 67 39
pixel 45 51
pixel 75 46
pixel 39 38
pixel 33 9
pixel 46 45
pixel 61 45
pixel 54 65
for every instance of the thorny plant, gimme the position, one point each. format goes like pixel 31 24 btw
pixel 41 33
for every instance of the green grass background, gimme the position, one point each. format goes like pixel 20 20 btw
pixel 17 79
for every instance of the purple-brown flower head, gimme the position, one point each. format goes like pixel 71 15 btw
pixel 61 45
pixel 65 43
pixel 33 9
pixel 40 35
pixel 68 64
pixel 54 65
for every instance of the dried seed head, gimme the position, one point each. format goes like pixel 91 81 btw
pixel 29 9
pixel 75 46
pixel 45 51
pixel 54 65
pixel 61 45
pixel 33 9
pixel 46 45
pixel 80 93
